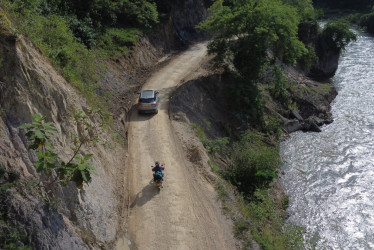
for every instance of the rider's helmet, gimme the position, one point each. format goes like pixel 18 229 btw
pixel 157 164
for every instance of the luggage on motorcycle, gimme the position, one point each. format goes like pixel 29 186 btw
pixel 159 175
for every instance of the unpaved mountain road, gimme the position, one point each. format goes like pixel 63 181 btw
pixel 185 213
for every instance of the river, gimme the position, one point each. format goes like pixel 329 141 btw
pixel 329 176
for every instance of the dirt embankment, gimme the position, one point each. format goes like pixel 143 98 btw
pixel 205 101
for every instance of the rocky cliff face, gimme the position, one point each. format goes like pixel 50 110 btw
pixel 29 85
pixel 326 66
pixel 327 63
pixel 186 15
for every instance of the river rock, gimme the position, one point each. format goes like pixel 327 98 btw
pixel 296 114
pixel 292 125
pixel 310 125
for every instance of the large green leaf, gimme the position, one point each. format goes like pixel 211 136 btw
pixel 40 134
pixel 88 157
pixel 26 126
pixel 49 127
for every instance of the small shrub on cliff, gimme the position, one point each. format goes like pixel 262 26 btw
pixel 307 60
pixel 217 145
pixel 367 21
pixel 78 169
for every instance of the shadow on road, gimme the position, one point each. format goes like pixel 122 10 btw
pixel 147 193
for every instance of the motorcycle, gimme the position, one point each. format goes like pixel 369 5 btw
pixel 158 177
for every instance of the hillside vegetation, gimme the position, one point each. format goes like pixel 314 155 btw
pixel 78 35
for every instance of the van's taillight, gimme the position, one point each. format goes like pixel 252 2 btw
pixel 154 104
pixel 139 104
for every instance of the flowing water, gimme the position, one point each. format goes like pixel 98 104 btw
pixel 329 176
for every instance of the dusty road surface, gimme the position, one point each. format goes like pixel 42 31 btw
pixel 184 214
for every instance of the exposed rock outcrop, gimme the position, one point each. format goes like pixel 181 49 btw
pixel 186 15
pixel 326 66
pixel 313 101
pixel 328 58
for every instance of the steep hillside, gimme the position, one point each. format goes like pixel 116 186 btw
pixel 29 85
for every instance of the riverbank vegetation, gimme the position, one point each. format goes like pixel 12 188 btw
pixel 252 40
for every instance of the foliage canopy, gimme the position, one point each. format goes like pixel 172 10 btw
pixel 335 36
pixel 255 163
pixel 249 34
pixel 245 30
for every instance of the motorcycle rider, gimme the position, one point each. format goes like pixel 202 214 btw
pixel 157 168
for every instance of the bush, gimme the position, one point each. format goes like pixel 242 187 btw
pixel 217 145
pixel 246 100
pixel 84 30
pixel 255 163
pixel 367 21
pixel 335 36
pixel 307 60
pixel 279 89
pixel 140 13
pixel 269 229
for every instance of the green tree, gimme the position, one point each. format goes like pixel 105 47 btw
pixel 254 163
pixel 304 8
pixel 246 34
pixel 244 31
pixel 335 36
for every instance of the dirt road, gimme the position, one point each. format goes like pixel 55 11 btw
pixel 184 214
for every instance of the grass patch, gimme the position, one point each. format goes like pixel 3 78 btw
pixel 77 64
pixel 259 218
pixel 51 33
pixel 119 138
pixel 213 165
pixel 118 42
pixel 217 145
